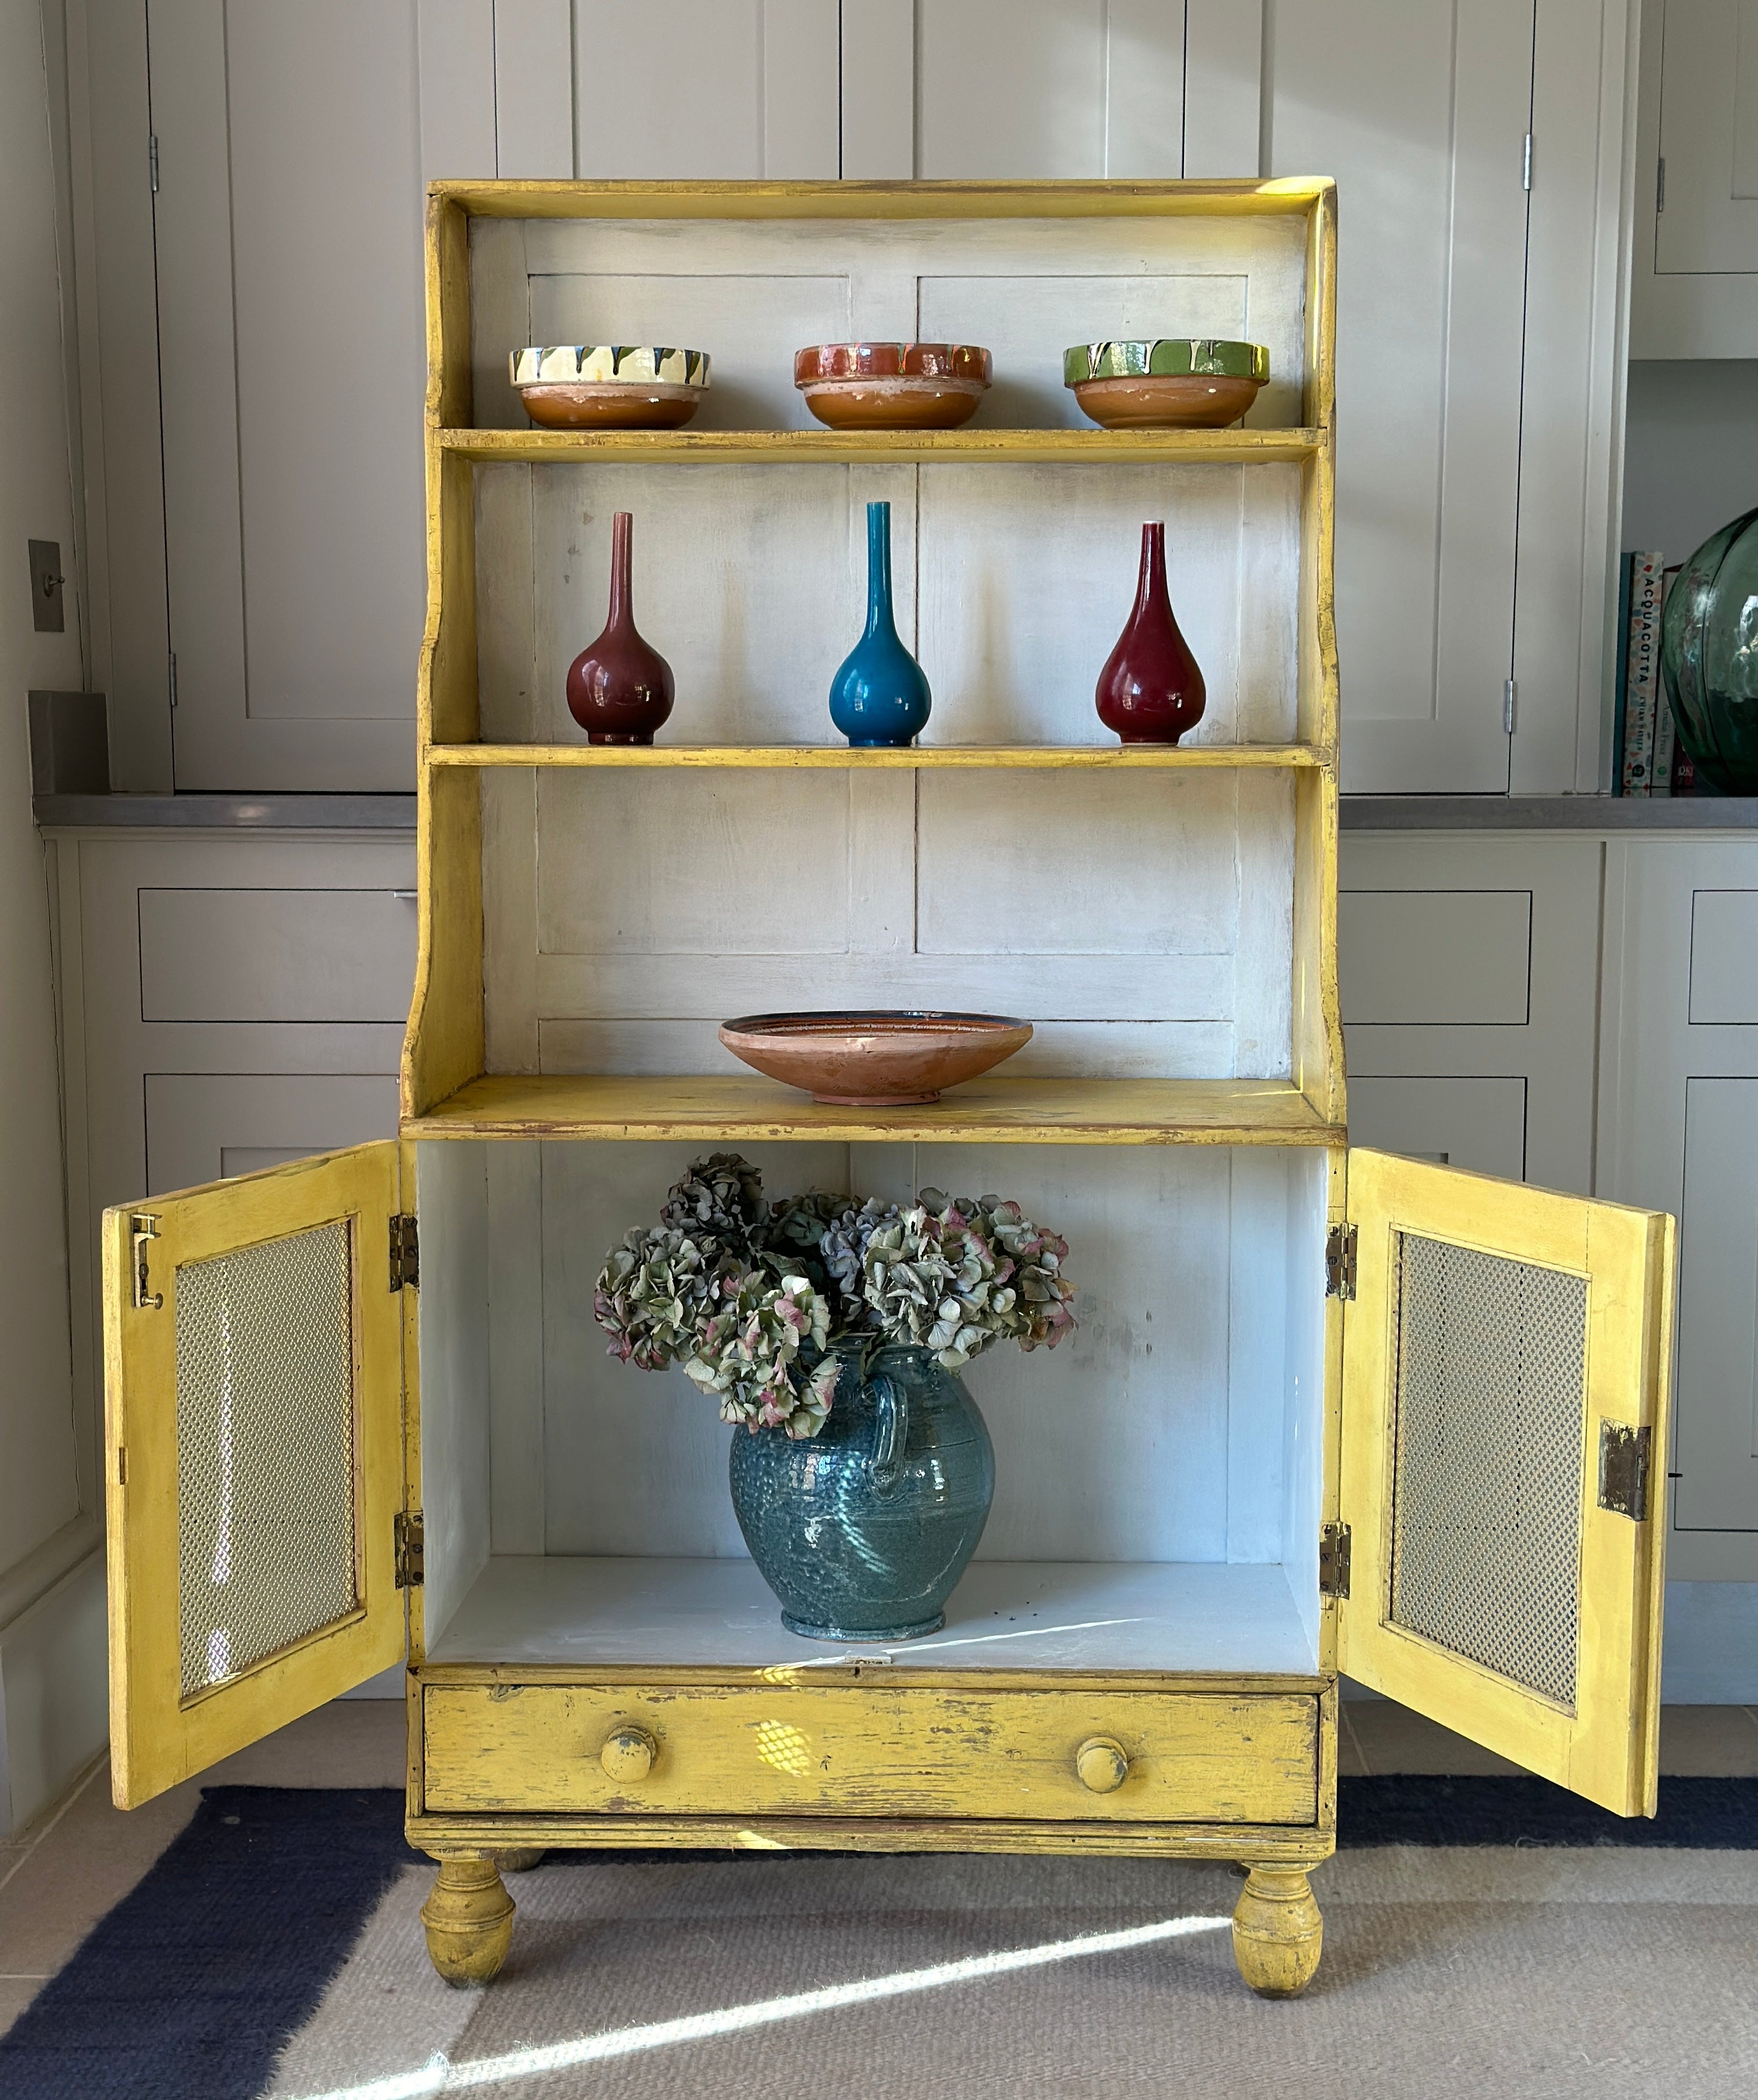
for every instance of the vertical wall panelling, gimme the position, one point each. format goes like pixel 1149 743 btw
pixel 455 47
pixel 534 88
pixel 671 92
pixel 1571 402
pixel 119 385
pixel 1421 114
pixel 292 510
pixel 801 59
pixel 878 89
pixel 1224 84
pixel 1021 88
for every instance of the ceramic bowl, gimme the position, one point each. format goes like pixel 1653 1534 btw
pixel 859 1059
pixel 616 387
pixel 893 385
pixel 1203 384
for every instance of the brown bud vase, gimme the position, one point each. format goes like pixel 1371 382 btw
pixel 1151 691
pixel 619 691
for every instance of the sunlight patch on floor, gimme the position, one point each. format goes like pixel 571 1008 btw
pixel 440 2076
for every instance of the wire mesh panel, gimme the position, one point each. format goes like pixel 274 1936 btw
pixel 1491 1365
pixel 265 1450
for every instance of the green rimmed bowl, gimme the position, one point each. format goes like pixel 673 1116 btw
pixel 1196 383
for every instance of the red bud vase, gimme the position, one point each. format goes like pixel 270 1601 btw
pixel 619 691
pixel 1151 691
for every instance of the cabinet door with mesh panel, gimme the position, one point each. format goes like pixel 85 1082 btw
pixel 253 1445
pixel 1506 1367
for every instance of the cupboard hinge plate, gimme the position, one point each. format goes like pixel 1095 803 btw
pixel 1333 1560
pixel 1624 1458
pixel 1339 1261
pixel 410 1537
pixel 405 1252
pixel 141 1228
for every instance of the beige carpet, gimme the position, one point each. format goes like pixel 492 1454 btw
pixel 1464 1974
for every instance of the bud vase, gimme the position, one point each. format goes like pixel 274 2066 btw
pixel 1151 691
pixel 619 690
pixel 863 1530
pixel 879 695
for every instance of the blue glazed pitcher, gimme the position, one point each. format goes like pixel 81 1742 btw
pixel 863 1530
pixel 879 695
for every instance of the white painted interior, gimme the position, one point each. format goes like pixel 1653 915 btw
pixel 1004 1615
pixel 1179 1426
pixel 47 1532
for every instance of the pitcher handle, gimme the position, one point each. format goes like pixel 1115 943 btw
pixel 885 1467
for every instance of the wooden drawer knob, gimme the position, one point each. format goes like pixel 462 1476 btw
pixel 628 1754
pixel 1104 1765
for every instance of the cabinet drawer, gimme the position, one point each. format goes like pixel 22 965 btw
pixel 840 1750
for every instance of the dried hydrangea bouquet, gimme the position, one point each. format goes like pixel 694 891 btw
pixel 843 1326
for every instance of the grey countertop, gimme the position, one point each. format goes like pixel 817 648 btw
pixel 1548 813
pixel 255 813
pixel 1360 813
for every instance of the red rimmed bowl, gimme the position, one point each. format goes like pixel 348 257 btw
pixel 893 385
pixel 855 1058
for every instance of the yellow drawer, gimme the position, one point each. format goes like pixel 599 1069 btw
pixel 840 1750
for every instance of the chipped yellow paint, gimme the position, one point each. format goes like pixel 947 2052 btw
pixel 834 1749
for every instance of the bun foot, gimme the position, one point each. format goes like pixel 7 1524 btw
pixel 1278 1933
pixel 469 1918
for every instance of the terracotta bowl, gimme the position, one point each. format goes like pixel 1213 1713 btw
pixel 573 387
pixel 858 1059
pixel 1190 384
pixel 893 385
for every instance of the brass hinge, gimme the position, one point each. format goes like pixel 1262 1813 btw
pixel 411 1541
pixel 405 1252
pixel 141 1228
pixel 1624 1455
pixel 1340 1262
pixel 1333 1560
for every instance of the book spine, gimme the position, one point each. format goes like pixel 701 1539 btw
pixel 1666 737
pixel 1642 685
pixel 1621 688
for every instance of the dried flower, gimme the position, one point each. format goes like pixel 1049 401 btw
pixel 761 1356
pixel 721 1198
pixel 748 1297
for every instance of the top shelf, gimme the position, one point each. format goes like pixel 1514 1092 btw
pixel 1234 448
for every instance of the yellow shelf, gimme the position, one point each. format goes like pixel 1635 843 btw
pixel 838 757
pixel 993 1111
pixel 808 447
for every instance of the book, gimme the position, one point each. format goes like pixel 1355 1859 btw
pixel 1621 676
pixel 1666 734
pixel 1642 684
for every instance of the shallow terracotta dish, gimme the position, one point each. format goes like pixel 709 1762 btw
pixel 893 385
pixel 1169 384
pixel 858 1058
pixel 618 387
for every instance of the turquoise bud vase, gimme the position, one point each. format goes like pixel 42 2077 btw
pixel 879 696
pixel 863 1530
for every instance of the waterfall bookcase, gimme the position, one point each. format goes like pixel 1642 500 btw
pixel 1326 1411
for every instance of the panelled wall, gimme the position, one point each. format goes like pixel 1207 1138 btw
pixel 269 564
pixel 1579 1010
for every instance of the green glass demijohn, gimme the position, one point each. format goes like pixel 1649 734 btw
pixel 1709 653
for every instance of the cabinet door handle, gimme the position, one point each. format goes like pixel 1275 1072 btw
pixel 628 1754
pixel 1102 1763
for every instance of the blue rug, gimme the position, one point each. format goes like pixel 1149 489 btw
pixel 190 1989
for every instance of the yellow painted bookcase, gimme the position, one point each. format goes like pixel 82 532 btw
pixel 1326 1411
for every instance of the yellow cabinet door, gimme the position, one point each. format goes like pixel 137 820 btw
pixel 1506 1372
pixel 253 1371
